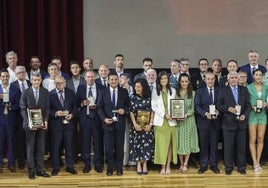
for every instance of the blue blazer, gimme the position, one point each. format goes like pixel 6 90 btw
pixel 16 84
pixel 247 68
pixel 202 102
pixel 55 105
pixel 105 106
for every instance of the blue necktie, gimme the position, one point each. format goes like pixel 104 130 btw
pixel 113 99
pixel 36 96
pixel 235 93
pixel 22 87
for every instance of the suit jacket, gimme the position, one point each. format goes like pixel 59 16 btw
pixel 98 81
pixel 226 100
pixel 28 101
pixel 105 106
pixel 81 95
pixel 55 105
pixel 247 68
pixel 70 83
pixel 113 71
pixel 197 81
pixel 173 82
pixel 17 85
pixel 42 72
pixel 159 109
pixel 202 102
pixel 223 81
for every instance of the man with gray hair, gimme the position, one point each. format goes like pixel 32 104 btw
pixel 151 78
pixel 175 67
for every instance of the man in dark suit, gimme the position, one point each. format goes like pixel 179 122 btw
pixel 21 84
pixel 35 97
pixel 103 73
pixel 57 61
pixel 175 66
pixel 197 80
pixel 35 65
pixel 233 102
pixel 90 123
pixel 147 63
pixel 208 124
pixel 113 105
pixel 253 58
pixel 75 80
pixel 231 66
pixel 61 124
pixel 9 108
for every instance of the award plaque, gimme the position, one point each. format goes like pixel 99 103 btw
pixel 35 117
pixel 143 118
pixel 92 104
pixel 65 113
pixel 259 106
pixel 238 111
pixel 115 114
pixel 212 111
pixel 177 110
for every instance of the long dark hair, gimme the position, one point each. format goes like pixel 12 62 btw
pixel 159 87
pixel 146 92
pixel 189 88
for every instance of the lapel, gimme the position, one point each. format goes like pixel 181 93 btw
pixel 230 93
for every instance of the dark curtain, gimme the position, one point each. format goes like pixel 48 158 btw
pixel 44 28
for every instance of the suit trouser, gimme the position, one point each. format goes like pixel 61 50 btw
pixel 236 138
pixel 208 141
pixel 35 140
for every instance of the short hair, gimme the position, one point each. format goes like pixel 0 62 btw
pixel 232 73
pixel 151 70
pixel 253 51
pixel 34 56
pixel 219 60
pixel 88 58
pixel 52 64
pixel 183 59
pixel 231 60
pixel 3 70
pixel 38 74
pixel 11 53
pixel 119 55
pixel 147 59
pixel 55 57
pixel 112 74
pixel 19 68
pixel 202 59
pixel 74 62
pixel 242 71
pixel 177 61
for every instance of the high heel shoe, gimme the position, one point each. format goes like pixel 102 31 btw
pixel 184 169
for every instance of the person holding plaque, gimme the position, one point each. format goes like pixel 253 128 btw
pixel 257 118
pixel 112 106
pixel 233 103
pixel 35 98
pixel 164 125
pixel 62 112
pixel 9 109
pixel 90 123
pixel 208 124
pixel 141 137
pixel 187 132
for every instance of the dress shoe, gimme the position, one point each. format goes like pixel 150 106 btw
pixel 54 172
pixel 71 170
pixel 242 172
pixel 228 172
pixel 109 172
pixel 31 175
pixel 119 172
pixel 202 170
pixel 1 170
pixel 21 166
pixel 99 169
pixel 43 174
pixel 12 168
pixel 86 169
pixel 139 173
pixel 145 173
pixel 215 169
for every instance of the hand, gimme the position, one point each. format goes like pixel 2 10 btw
pixel 45 125
pixel 121 111
pixel 148 128
pixel 242 118
pixel 168 117
pixel 232 110
pixel 85 103
pixel 108 121
pixel 137 127
pixel 60 113
pixel 69 117
pixel 264 104
pixel 208 115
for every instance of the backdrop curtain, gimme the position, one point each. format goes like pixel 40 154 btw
pixel 44 28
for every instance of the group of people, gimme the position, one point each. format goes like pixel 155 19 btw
pixel 132 119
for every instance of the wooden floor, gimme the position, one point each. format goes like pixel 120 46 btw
pixel 131 179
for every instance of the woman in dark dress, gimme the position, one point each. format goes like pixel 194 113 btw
pixel 141 137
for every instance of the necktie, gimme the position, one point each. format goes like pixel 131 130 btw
pixel 36 96
pixel 113 99
pixel 104 83
pixel 211 96
pixel 235 93
pixel 61 98
pixel 203 77
pixel 151 87
pixel 22 87
pixel 253 69
pixel 90 92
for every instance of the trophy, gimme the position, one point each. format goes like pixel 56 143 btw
pixel 5 101
pixel 65 113
pixel 212 111
pixel 114 118
pixel 91 104
pixel 259 106
pixel 238 111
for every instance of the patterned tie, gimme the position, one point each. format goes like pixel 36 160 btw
pixel 113 99
pixel 211 96
pixel 61 98
pixel 22 87
pixel 90 92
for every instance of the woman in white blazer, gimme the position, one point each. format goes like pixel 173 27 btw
pixel 164 125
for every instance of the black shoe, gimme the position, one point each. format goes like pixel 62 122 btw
pixel 242 172
pixel 99 169
pixel 86 169
pixel 43 174
pixel 119 172
pixel 109 172
pixel 228 172
pixel 61 162
pixel 71 170
pixel 21 165
pixel 215 169
pixel 12 168
pixel 202 170
pixel 31 175
pixel 144 173
pixel 54 172
pixel 139 173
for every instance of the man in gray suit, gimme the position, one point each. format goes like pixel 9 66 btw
pixel 35 97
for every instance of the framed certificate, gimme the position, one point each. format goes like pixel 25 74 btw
pixel 35 117
pixel 177 108
pixel 143 118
